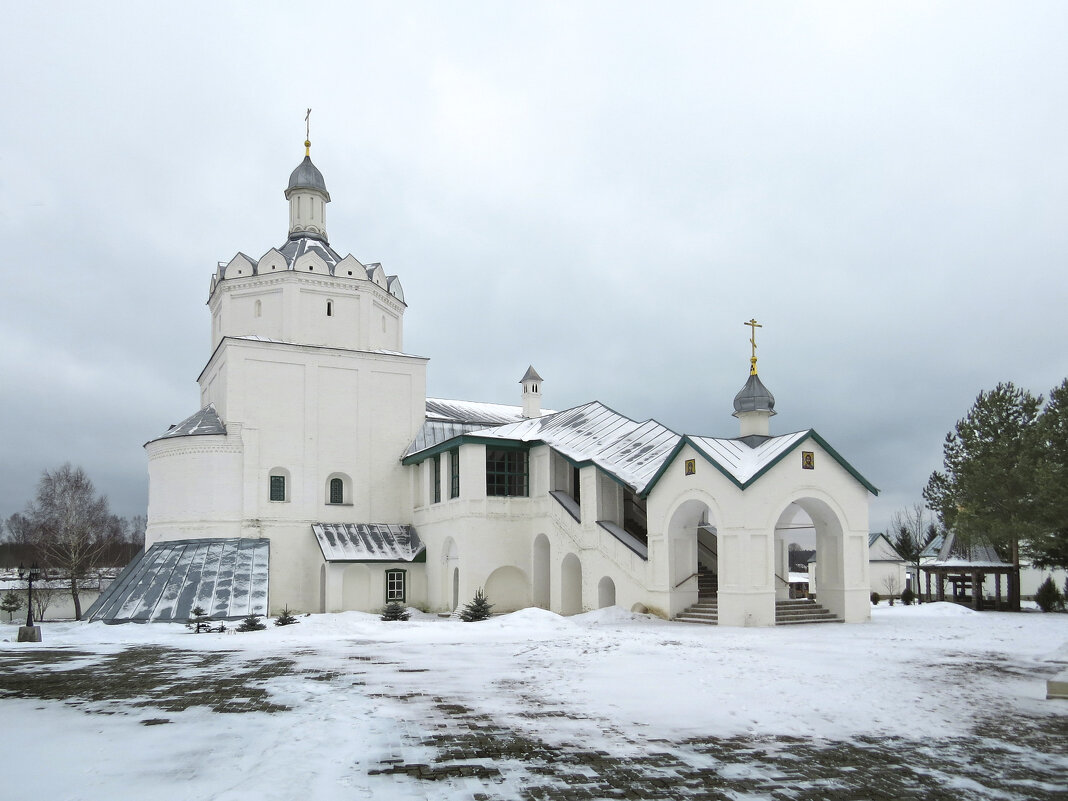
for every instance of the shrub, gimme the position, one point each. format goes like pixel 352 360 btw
pixel 395 610
pixel 252 623
pixel 477 609
pixel 875 598
pixel 1048 597
pixel 11 604
pixel 200 622
pixel 285 618
pixel 908 596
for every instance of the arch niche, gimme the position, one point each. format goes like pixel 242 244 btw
pixel 450 575
pixel 540 570
pixel 508 589
pixel 606 593
pixel 570 585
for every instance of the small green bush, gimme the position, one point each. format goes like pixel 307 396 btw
pixel 1048 597
pixel 200 622
pixel 477 609
pixel 908 596
pixel 252 623
pixel 395 610
pixel 875 598
pixel 285 618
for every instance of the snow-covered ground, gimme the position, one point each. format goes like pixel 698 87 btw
pixel 362 692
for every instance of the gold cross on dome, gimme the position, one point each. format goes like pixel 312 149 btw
pixel 753 325
pixel 307 133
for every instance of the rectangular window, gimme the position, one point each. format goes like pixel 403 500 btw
pixel 278 488
pixel 506 473
pixel 436 472
pixel 395 585
pixel 454 473
pixel 337 490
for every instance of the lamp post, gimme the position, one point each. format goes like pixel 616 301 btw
pixel 29 632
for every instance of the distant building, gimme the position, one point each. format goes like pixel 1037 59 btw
pixel 317 474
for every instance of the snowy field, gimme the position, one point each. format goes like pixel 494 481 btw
pixel 345 707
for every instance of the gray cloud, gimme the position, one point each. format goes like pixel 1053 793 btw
pixel 603 190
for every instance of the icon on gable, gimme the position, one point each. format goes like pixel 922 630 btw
pixel 808 460
pixel 691 467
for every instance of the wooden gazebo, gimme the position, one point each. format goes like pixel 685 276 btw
pixel 965 567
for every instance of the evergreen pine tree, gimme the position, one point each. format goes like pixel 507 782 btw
pixel 908 596
pixel 285 618
pixel 1048 597
pixel 252 623
pixel 200 621
pixel 11 604
pixel 395 610
pixel 477 609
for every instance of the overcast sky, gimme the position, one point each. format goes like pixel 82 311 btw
pixel 603 190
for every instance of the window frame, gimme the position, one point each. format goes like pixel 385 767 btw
pixel 454 473
pixel 277 481
pixel 507 469
pixel 435 472
pixel 339 483
pixel 401 576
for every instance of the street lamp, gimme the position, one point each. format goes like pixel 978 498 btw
pixel 29 631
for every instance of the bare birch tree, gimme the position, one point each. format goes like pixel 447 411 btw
pixel 70 525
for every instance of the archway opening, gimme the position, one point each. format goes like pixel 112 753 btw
pixel 540 564
pixel 795 555
pixel 693 551
pixel 570 585
pixel 606 593
pixel 838 570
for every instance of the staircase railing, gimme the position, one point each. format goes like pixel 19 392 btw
pixel 692 575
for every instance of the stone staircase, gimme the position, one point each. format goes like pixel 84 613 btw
pixel 803 610
pixel 787 613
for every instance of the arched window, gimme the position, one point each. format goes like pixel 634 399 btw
pixel 259 308
pixel 330 308
pixel 338 490
pixel 278 489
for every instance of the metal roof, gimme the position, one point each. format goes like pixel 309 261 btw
pixel 307 176
pixel 367 542
pixel 531 375
pixel 631 451
pixel 486 414
pixel 956 553
pixel 300 243
pixel 754 397
pixel 739 459
pixel 228 578
pixel 202 423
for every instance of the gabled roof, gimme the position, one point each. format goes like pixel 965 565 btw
pixel 227 577
pixel 202 423
pixel 932 548
pixel 634 453
pixel 745 459
pixel 367 542
pixel 955 553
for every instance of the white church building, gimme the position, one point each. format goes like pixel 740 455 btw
pixel 317 475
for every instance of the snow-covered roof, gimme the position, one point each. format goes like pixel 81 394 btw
pixel 739 459
pixel 636 453
pixel 631 451
pixel 976 555
pixel 367 542
pixel 228 578
pixel 206 421
pixel 486 414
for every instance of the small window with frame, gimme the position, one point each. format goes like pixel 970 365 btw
pixel 278 488
pixel 395 586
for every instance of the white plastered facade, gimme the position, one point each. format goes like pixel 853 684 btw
pixel 308 377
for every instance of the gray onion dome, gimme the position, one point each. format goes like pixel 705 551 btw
pixel 754 397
